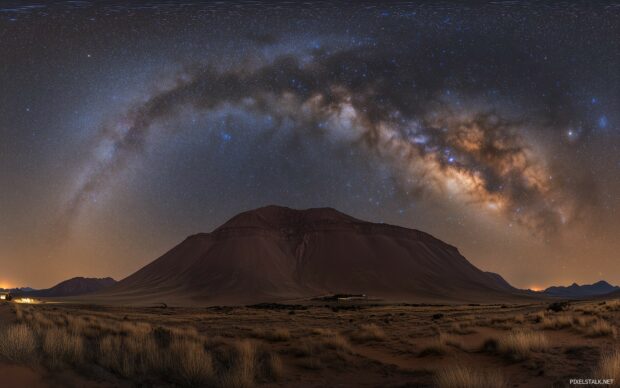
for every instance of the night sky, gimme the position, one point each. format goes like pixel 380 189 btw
pixel 494 127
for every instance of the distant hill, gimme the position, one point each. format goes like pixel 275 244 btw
pixel 17 290
pixel 276 253
pixel 73 287
pixel 581 291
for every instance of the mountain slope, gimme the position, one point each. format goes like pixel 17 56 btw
pixel 583 291
pixel 74 286
pixel 276 253
pixel 500 281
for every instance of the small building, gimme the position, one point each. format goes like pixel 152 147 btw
pixel 5 296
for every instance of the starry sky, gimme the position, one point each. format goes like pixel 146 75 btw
pixel 124 128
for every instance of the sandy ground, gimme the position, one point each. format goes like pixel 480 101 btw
pixel 398 357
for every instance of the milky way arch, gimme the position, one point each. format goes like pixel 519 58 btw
pixel 374 102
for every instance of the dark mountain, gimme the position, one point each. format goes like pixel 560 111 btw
pixel 73 287
pixel 276 253
pixel 500 281
pixel 583 291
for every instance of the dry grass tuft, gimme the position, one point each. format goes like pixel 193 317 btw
pixel 137 351
pixel 131 357
pixel 582 322
pixel 557 322
pixel 539 316
pixel 272 366
pixel 323 331
pixel 440 345
pixel 18 343
pixel 368 332
pixel 242 369
pixel 62 347
pixel 609 366
pixel 519 344
pixel 189 360
pixel 336 342
pixel 459 376
pixel 600 328
pixel 19 313
pixel 330 339
pixel 613 305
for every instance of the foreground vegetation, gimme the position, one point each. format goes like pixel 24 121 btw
pixel 341 344
pixel 136 351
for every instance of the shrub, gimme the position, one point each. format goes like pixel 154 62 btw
pixel 490 345
pixel 558 306
pixel 163 336
pixel 435 349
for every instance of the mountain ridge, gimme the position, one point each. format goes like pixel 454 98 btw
pixel 575 290
pixel 277 253
pixel 73 287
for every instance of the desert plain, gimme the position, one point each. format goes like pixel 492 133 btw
pixel 313 344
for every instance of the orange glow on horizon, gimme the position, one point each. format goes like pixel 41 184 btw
pixel 536 288
pixel 5 285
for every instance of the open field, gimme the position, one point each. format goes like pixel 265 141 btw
pixel 329 344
